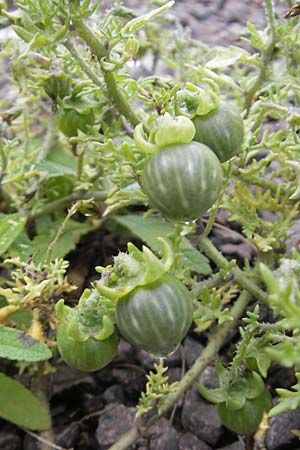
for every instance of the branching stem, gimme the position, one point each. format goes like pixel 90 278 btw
pixel 257 181
pixel 81 62
pixel 100 51
pixel 242 279
pixel 266 59
pixel 64 202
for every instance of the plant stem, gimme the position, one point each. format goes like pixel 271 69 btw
pixel 49 139
pixel 266 59
pixel 265 184
pixel 40 388
pixel 100 51
pixel 84 66
pixel 207 356
pixel 60 231
pixel 242 279
pixel 63 202
pixel 271 16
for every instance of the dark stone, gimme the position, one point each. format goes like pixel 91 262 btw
pixel 132 380
pixel 200 417
pixel 238 445
pixel 92 401
pixel 190 442
pixel 279 435
pixel 174 374
pixel 209 378
pixel 126 353
pixel 146 360
pixel 9 441
pixel 105 378
pixel 69 436
pixel 114 394
pixel 192 350
pixel 65 377
pixel 113 423
pixel 162 436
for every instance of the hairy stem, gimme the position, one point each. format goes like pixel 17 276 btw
pixel 257 181
pixel 60 231
pixel 207 356
pixel 271 16
pixel 266 59
pixel 81 62
pixel 241 278
pixel 64 202
pixel 113 89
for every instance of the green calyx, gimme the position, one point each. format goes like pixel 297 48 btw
pixel 90 318
pixel 193 100
pixel 170 130
pixel 174 130
pixel 233 393
pixel 56 85
pixel 132 269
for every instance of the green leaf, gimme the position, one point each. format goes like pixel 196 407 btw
pixel 11 226
pixel 20 406
pixel 22 317
pixel 16 345
pixel 289 400
pixel 59 156
pixel 140 21
pixel 148 229
pixel 54 169
pixel 226 57
pixel 46 232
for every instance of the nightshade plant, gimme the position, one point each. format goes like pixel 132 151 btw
pixel 88 132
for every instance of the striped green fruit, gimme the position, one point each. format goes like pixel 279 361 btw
pixel 70 121
pixel 182 181
pixel 222 130
pixel 246 419
pixel 157 316
pixel 89 355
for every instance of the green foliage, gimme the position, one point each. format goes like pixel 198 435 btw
pixel 289 399
pixel 90 95
pixel 156 389
pixel 11 225
pixel 150 228
pixel 15 403
pixel 15 344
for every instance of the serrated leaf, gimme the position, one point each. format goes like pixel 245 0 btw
pixel 148 229
pixel 287 404
pixel 20 406
pixel 11 225
pixel 257 38
pixel 16 345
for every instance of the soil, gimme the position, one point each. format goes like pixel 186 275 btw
pixel 91 411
